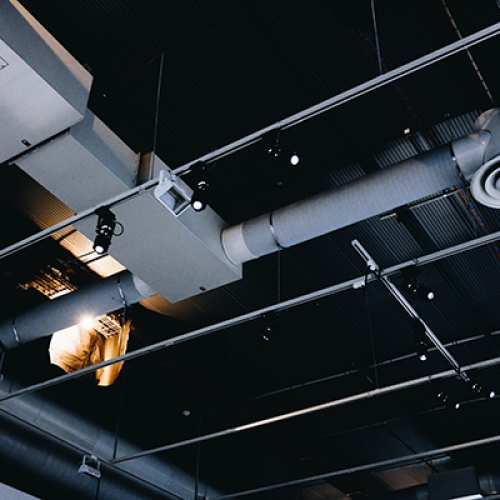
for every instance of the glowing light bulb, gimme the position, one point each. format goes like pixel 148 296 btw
pixel 87 322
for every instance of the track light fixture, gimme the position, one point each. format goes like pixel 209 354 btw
pixel 447 400
pixel 478 388
pixel 421 340
pixel 412 287
pixel 105 229
pixel 199 198
pixel 279 153
pixel 271 325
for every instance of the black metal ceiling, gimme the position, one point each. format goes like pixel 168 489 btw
pixel 230 69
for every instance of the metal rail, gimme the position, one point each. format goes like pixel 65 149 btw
pixel 291 121
pixel 396 293
pixel 309 410
pixel 238 320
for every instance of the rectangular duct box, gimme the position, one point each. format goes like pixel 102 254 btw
pixel 44 89
pixel 456 484
pixel 85 166
pixel 177 254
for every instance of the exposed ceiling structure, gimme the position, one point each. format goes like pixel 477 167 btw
pixel 277 338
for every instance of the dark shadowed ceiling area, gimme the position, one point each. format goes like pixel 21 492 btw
pixel 324 398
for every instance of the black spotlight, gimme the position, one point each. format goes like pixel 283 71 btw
pixel 447 400
pixel 412 287
pixel 477 387
pixel 421 340
pixel 280 154
pixel 105 229
pixel 199 198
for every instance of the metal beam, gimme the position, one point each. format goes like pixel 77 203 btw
pixel 238 320
pixel 307 114
pixel 375 466
pixel 309 410
pixel 396 293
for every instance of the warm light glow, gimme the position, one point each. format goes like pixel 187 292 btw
pixel 77 347
pixel 87 322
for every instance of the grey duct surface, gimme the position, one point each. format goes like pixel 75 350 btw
pixel 53 465
pixel 99 298
pixel 382 191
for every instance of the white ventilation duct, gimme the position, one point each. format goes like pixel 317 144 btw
pixel 377 193
pixel 178 255
pixel 93 300
pixel 44 89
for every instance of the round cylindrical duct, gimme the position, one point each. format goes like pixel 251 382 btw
pixel 374 194
pixel 50 440
pixel 99 298
pixel 52 468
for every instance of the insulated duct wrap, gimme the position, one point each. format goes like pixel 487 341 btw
pixel 93 300
pixel 382 191
pixel 475 156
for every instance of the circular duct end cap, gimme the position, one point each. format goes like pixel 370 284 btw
pixel 485 184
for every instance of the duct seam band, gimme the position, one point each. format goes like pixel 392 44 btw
pixel 273 232
pixel 461 175
pixel 16 333
pixel 234 245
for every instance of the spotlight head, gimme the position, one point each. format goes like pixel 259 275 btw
pixel 442 396
pixel 280 154
pixel 422 356
pixel 199 198
pixel 476 386
pixel 274 150
pixel 422 292
pixel 294 159
pixel 421 340
pixel 106 224
pixel 412 287
pixel 492 394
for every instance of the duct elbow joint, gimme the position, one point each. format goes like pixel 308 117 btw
pixel 482 145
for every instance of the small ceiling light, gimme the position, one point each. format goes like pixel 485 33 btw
pixel 448 401
pixel 294 159
pixel 411 286
pixel 421 340
pixel 105 229
pixel 477 387
pixel 199 198
pixel 275 149
pixel 283 156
